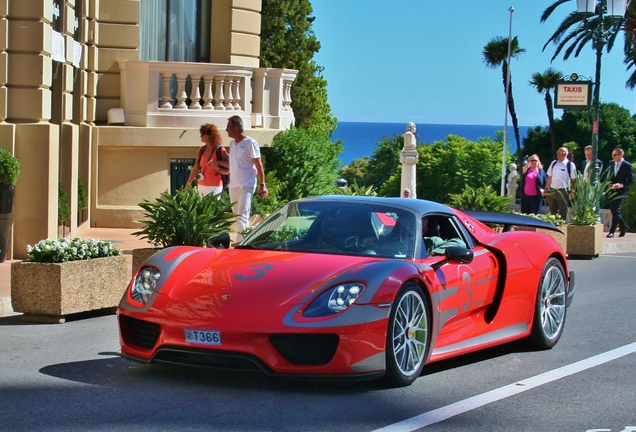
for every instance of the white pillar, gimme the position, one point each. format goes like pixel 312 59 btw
pixel 409 158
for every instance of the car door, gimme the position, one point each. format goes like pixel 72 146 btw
pixel 468 289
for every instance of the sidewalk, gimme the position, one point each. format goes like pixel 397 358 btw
pixel 124 240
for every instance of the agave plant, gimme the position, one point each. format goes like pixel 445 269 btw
pixel 185 218
pixel 355 189
pixel 588 198
pixel 482 198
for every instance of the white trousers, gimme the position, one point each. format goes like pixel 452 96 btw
pixel 205 190
pixel 241 196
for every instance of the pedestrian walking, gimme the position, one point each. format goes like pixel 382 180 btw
pixel 246 168
pixel 560 183
pixel 622 176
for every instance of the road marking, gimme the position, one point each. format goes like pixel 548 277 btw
pixel 448 411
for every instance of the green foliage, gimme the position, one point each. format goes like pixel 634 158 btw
pixel 482 198
pixel 82 195
pixel 629 208
pixel 304 161
pixel 287 41
pixel 588 198
pixel 356 171
pixel 355 189
pixel 384 163
pixel 63 207
pixel 185 218
pixel 63 250
pixel 264 206
pixel 9 168
pixel 448 167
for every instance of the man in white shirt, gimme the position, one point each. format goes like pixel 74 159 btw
pixel 561 179
pixel 245 168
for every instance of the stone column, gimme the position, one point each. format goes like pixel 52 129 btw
pixel 409 158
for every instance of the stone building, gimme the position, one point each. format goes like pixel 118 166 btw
pixel 113 92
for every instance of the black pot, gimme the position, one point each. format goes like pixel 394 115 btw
pixel 7 193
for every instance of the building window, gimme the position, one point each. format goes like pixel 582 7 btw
pixel 175 30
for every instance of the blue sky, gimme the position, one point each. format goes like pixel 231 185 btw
pixel 420 60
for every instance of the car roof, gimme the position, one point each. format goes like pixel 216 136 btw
pixel 422 207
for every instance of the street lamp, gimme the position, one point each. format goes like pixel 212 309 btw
pixel 614 8
pixel 507 90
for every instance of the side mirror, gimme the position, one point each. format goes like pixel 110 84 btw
pixel 220 241
pixel 461 254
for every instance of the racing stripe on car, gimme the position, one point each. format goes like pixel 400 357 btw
pixel 494 336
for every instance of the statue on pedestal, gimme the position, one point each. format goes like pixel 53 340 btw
pixel 512 181
pixel 409 158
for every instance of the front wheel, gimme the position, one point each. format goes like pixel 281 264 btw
pixel 408 336
pixel 550 307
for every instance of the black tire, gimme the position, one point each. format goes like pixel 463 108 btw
pixel 408 336
pixel 550 307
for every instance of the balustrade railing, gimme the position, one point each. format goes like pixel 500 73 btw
pixel 161 94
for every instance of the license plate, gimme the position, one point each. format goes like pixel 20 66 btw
pixel 206 337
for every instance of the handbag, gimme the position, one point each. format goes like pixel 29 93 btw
pixel 224 177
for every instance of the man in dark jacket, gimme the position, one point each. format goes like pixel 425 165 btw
pixel 622 176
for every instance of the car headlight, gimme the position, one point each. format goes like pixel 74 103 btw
pixel 334 300
pixel 145 283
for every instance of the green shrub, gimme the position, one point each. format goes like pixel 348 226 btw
pixel 264 206
pixel 185 219
pixel 82 195
pixel 9 168
pixel 304 161
pixel 63 207
pixel 629 208
pixel 482 198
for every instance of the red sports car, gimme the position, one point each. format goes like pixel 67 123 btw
pixel 350 287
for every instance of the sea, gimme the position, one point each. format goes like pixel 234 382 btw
pixel 360 139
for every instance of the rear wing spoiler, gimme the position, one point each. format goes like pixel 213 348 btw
pixel 509 219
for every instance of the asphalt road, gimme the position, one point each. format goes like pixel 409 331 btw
pixel 68 377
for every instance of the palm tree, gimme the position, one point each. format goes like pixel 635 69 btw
pixel 495 54
pixel 578 29
pixel 545 83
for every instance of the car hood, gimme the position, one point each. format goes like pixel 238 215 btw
pixel 208 283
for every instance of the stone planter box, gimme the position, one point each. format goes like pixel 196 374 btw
pixel 585 240
pixel 139 256
pixel 48 292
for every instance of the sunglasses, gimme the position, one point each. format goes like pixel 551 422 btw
pixel 616 154
pixel 532 160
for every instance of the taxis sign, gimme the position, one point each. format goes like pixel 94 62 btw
pixel 573 95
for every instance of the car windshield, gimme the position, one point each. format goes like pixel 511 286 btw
pixel 337 228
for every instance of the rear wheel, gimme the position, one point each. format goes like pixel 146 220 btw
pixel 550 307
pixel 408 336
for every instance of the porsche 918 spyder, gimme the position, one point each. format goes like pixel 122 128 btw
pixel 350 287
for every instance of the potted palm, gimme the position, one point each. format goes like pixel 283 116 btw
pixel 63 277
pixel 585 232
pixel 185 219
pixel 9 172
